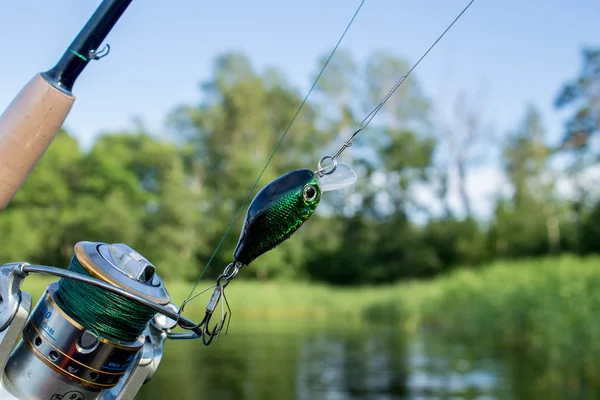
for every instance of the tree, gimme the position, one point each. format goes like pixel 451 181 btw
pixel 172 224
pixel 466 140
pixel 400 149
pixel 533 205
pixel 372 240
pixel 583 95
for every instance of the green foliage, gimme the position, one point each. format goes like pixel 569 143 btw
pixel 543 308
pixel 173 200
pixel 455 242
pixel 528 221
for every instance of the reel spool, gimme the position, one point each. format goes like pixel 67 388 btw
pixel 67 350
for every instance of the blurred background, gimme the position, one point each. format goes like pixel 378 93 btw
pixel 464 263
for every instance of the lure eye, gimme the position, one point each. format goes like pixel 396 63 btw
pixel 309 193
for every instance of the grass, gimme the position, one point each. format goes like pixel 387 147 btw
pixel 270 300
pixel 547 308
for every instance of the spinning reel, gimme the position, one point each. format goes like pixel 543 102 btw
pixel 48 354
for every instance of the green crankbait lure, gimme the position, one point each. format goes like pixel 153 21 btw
pixel 276 212
pixel 281 207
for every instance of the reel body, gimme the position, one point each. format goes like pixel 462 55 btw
pixel 49 354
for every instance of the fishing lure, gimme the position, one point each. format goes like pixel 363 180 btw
pixel 283 206
pixel 274 215
pixel 276 212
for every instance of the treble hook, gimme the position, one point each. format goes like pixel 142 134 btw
pixel 202 329
pixel 96 55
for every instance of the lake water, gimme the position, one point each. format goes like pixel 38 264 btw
pixel 308 361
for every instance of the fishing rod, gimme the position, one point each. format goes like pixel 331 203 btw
pixel 98 332
pixel 31 121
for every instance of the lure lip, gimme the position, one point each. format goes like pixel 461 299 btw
pixel 341 177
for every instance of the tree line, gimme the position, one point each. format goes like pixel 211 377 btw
pixel 172 194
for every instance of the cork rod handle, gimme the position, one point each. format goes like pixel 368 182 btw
pixel 27 128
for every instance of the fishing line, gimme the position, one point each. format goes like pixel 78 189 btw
pixel 325 170
pixel 274 151
pixel 104 313
pixel 365 122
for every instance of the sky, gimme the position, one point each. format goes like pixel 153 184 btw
pixel 520 51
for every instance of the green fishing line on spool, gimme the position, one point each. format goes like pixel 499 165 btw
pixel 100 311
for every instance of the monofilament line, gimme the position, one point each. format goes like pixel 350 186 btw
pixel 374 112
pixel 275 150
pixel 367 120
